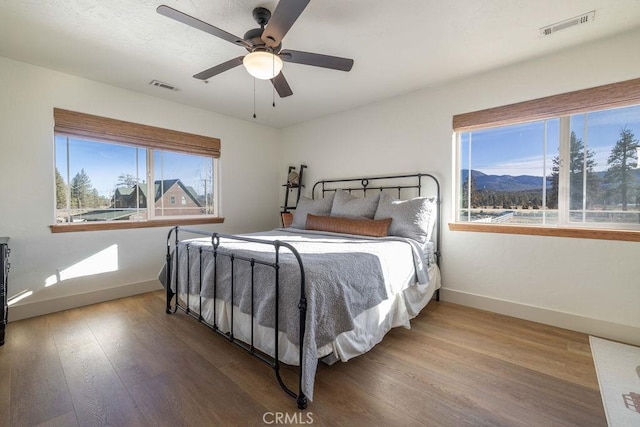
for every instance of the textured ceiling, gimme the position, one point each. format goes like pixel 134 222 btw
pixel 398 46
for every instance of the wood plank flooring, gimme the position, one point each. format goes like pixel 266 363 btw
pixel 127 363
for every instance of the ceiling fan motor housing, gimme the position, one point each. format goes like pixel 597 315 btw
pixel 254 36
pixel 261 16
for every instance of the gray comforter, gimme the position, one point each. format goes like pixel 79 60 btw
pixel 344 276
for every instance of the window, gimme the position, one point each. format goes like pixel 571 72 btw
pixel 557 162
pixel 505 174
pixel 114 174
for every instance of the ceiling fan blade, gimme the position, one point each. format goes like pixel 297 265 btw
pixel 220 68
pixel 282 19
pixel 316 60
pixel 201 25
pixel 281 85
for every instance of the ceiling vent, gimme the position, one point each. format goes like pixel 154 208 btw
pixel 577 20
pixel 158 83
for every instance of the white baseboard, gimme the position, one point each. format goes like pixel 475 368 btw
pixel 38 308
pixel 600 328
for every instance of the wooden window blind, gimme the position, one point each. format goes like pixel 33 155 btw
pixel 581 101
pixel 112 130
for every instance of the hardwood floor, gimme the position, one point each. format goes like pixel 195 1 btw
pixel 127 363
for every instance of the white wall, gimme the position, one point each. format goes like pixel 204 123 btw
pixel 587 285
pixel 28 94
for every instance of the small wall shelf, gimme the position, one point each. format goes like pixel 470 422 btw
pixel 294 182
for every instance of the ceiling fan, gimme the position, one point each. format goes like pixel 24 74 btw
pixel 264 44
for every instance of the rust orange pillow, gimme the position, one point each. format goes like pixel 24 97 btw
pixel 287 219
pixel 359 226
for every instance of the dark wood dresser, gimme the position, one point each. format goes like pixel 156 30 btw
pixel 4 273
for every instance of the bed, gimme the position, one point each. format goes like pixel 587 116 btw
pixel 360 257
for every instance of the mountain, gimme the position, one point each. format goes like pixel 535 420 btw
pixel 525 182
pixel 635 178
pixel 505 182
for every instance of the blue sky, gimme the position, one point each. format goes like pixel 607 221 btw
pixel 517 149
pixel 104 162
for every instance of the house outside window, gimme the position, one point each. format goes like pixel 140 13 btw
pixel 100 181
pixel 569 170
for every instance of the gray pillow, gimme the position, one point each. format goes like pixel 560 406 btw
pixel 410 218
pixel 350 206
pixel 320 207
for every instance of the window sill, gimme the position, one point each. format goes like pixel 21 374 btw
pixel 581 233
pixel 123 225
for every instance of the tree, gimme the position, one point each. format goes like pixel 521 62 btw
pixel 61 191
pixel 581 161
pixel 622 160
pixel 81 191
pixel 126 180
pixel 469 188
pixel 204 185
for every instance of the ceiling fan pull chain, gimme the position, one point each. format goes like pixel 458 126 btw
pixel 273 88
pixel 254 98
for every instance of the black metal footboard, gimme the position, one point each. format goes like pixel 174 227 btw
pixel 171 278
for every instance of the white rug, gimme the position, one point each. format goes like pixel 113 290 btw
pixel 618 369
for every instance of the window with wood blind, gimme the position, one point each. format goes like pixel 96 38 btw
pixel 565 165
pixel 112 174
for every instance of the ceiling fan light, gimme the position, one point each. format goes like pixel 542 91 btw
pixel 262 65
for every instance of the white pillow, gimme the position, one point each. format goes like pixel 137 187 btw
pixel 319 207
pixel 413 218
pixel 349 206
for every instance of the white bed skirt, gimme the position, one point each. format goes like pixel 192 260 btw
pixel 370 325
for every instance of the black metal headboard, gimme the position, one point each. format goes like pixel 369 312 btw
pixel 398 185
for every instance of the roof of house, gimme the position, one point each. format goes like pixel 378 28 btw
pixel 160 188
pixel 166 184
pixel 127 191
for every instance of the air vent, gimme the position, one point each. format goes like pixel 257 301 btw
pixel 158 83
pixel 581 19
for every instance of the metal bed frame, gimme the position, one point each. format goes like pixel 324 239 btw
pixel 173 246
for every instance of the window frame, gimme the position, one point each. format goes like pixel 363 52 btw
pixel 621 94
pixel 103 129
